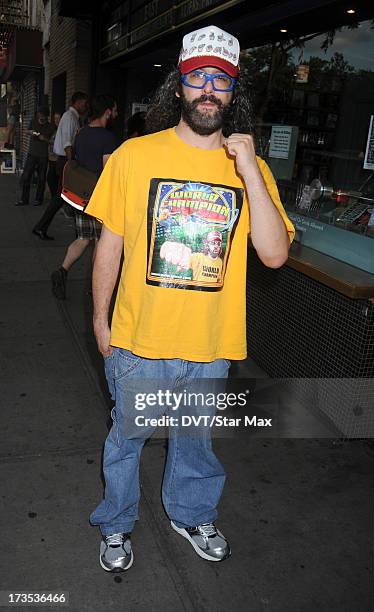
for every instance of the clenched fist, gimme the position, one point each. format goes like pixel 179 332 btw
pixel 176 253
pixel 241 146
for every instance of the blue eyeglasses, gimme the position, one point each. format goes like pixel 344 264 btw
pixel 198 79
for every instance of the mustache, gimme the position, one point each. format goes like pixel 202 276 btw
pixel 207 98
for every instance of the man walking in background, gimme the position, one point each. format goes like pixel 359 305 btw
pixel 63 148
pixel 92 148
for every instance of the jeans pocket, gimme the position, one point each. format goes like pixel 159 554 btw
pixel 126 362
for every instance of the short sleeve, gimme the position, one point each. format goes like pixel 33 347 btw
pixel 274 194
pixel 108 200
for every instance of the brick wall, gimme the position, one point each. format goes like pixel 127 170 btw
pixel 70 52
pixel 62 51
pixel 83 57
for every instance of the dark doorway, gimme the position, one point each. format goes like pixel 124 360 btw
pixel 3 121
pixel 59 93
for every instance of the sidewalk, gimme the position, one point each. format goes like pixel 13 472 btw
pixel 298 513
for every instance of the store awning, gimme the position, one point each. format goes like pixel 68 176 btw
pixel 255 23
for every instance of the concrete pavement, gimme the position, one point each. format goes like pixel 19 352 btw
pixel 298 513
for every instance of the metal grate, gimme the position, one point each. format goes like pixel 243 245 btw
pixel 298 328
pixel 314 331
pixel 30 96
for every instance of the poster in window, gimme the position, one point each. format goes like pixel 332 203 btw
pixel 280 141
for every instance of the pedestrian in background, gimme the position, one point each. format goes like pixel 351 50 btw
pixel 41 132
pixel 52 178
pixel 63 148
pixel 93 146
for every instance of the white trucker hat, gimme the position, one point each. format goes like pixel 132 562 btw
pixel 210 46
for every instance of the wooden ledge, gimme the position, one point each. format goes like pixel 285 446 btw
pixel 345 279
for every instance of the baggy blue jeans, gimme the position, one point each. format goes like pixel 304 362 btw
pixel 193 479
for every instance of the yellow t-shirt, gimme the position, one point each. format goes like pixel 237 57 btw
pixel 157 189
pixel 205 267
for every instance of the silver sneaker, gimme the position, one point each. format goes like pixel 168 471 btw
pixel 116 553
pixel 207 540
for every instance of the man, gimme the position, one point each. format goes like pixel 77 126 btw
pixel 92 149
pixel 41 132
pixel 202 168
pixel 63 148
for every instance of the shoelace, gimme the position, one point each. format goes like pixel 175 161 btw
pixel 115 539
pixel 208 529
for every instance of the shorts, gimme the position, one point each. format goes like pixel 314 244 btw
pixel 86 227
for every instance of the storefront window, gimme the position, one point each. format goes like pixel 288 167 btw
pixel 314 107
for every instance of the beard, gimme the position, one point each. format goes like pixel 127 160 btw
pixel 203 123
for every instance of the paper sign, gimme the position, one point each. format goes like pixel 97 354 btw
pixel 280 141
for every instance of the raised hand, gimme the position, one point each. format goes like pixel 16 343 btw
pixel 241 146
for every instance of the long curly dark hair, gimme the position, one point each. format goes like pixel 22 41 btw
pixel 164 111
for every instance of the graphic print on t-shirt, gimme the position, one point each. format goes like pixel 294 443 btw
pixel 190 229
